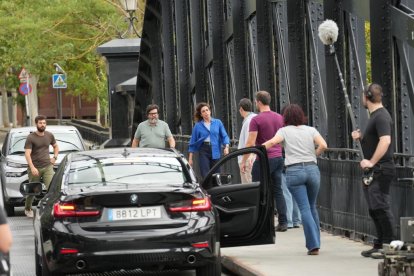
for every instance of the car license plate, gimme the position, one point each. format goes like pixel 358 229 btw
pixel 135 213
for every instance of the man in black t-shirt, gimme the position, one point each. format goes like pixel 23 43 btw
pixel 378 151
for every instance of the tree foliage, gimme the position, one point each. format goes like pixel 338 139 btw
pixel 37 33
pixel 368 50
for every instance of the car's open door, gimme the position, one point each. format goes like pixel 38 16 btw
pixel 246 210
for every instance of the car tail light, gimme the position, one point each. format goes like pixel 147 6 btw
pixel 194 205
pixel 65 251
pixel 63 209
pixel 200 244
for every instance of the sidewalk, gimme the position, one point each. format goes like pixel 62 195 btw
pixel 338 256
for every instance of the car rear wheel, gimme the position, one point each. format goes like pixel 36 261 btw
pixel 212 269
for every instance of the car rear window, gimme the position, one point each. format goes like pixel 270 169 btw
pixel 125 171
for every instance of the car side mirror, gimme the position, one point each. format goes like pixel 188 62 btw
pixel 32 188
pixel 221 179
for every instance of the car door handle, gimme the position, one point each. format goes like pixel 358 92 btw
pixel 226 199
pixel 232 211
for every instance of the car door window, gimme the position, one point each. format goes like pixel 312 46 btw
pixel 228 173
pixel 243 208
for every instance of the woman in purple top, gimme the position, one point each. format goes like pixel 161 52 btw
pixel 207 137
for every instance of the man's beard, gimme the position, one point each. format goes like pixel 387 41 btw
pixel 41 129
pixel 153 121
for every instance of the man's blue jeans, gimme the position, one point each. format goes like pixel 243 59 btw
pixel 292 209
pixel 276 167
pixel 303 182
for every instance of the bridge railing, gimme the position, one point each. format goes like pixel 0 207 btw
pixel 341 203
pixel 90 131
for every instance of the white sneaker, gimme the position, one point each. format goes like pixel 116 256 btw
pixel 28 213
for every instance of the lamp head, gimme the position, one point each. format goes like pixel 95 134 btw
pixel 129 5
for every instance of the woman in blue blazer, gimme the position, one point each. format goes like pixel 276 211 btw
pixel 207 138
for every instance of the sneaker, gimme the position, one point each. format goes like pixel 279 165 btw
pixel 29 213
pixel 314 252
pixel 281 228
pixel 368 253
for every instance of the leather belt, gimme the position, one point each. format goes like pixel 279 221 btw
pixel 207 143
pixel 301 164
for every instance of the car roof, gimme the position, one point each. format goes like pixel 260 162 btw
pixel 127 152
pixel 50 128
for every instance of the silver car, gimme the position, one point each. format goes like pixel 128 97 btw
pixel 13 165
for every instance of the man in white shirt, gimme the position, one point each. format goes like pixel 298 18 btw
pixel 245 109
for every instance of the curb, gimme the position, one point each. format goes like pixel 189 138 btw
pixel 237 267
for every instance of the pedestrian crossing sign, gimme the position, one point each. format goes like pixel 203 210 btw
pixel 59 81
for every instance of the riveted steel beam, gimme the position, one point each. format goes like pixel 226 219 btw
pixel 168 77
pixel 182 33
pixel 316 103
pixel 297 41
pixel 336 106
pixel 357 71
pixel 198 74
pixel 281 47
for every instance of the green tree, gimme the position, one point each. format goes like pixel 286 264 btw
pixel 35 34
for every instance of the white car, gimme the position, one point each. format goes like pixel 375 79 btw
pixel 13 165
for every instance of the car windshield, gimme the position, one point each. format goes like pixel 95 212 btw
pixel 67 142
pixel 94 172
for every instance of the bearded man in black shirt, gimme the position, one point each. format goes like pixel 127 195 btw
pixel 378 149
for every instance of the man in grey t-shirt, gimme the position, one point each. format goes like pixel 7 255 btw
pixel 153 132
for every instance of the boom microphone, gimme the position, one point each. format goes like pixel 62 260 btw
pixel 328 32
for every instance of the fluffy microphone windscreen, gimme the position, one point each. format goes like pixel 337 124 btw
pixel 328 32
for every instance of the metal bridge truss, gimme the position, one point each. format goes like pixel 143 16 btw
pixel 223 50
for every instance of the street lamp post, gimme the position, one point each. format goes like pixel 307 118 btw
pixel 58 86
pixel 130 6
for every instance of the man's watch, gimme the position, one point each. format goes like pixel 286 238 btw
pixel 55 156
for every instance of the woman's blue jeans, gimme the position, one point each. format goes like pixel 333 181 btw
pixel 206 161
pixel 303 182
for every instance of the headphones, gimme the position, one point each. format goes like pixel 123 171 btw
pixel 368 93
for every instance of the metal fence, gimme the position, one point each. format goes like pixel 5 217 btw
pixel 341 203
pixel 90 131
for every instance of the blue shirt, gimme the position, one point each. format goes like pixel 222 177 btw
pixel 218 137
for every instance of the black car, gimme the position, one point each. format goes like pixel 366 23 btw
pixel 143 210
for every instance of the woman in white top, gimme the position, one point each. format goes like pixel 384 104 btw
pixel 302 172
